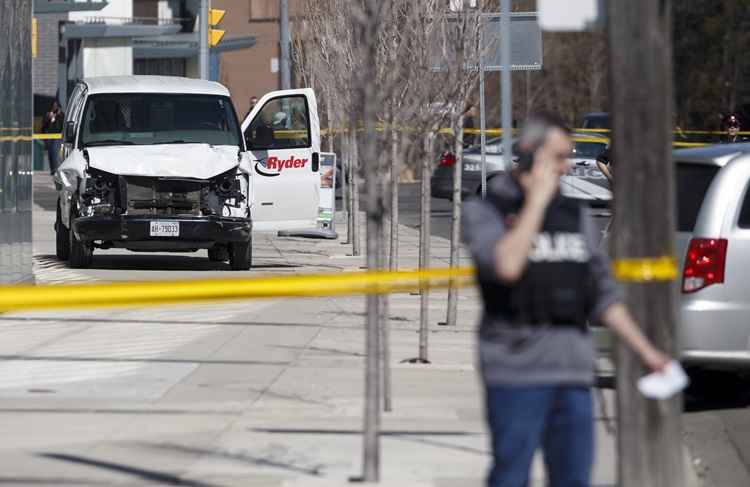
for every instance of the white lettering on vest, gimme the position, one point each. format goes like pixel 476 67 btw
pixel 559 247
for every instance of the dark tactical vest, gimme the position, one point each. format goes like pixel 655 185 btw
pixel 557 287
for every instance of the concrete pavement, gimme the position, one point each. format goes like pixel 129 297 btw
pixel 259 393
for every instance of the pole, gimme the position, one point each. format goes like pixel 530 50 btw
pixel 286 79
pixel 641 49
pixel 505 82
pixel 203 33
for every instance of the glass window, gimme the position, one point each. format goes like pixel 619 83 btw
pixel 283 123
pixel 149 119
pixel 744 221
pixel 589 150
pixel 693 181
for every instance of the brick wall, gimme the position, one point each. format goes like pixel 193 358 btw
pixel 45 64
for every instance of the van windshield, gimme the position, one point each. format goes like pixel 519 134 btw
pixel 693 181
pixel 148 119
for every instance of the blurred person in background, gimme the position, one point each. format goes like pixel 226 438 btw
pixel 52 123
pixel 542 279
pixel 732 128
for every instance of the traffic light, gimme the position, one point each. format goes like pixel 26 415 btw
pixel 215 35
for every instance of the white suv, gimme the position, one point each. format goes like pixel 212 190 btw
pixel 162 164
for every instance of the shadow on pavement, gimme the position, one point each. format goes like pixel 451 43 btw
pixel 146 474
pixel 243 457
pixel 715 390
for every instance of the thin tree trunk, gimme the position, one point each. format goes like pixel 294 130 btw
pixel 354 191
pixel 395 151
pixel 424 246
pixel 346 184
pixel 366 31
pixel 329 111
pixel 456 219
pixel 384 322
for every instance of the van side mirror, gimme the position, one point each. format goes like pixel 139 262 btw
pixel 70 132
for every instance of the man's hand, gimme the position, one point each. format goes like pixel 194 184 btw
pixel 656 360
pixel 540 184
pixel 619 320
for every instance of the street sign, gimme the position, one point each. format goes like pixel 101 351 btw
pixel 526 48
pixel 571 15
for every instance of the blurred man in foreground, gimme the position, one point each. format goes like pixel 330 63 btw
pixel 542 279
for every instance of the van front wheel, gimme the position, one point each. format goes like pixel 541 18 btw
pixel 240 255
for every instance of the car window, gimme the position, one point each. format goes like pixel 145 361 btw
pixel 282 123
pixel 589 150
pixel 693 181
pixel 149 119
pixel 744 221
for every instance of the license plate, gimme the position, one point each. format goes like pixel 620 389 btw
pixel 165 229
pixel 472 167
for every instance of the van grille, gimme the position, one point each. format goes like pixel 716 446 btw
pixel 163 196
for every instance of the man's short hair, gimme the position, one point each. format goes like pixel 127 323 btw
pixel 534 134
pixel 537 126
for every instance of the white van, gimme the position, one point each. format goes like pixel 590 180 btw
pixel 155 163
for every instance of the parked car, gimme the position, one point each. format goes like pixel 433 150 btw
pixel 596 120
pixel 584 182
pixel 161 164
pixel 713 248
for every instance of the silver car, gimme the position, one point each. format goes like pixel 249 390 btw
pixel 713 249
pixel 713 243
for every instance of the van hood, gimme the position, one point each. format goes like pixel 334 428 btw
pixel 199 161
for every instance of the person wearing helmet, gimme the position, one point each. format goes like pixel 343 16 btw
pixel 732 128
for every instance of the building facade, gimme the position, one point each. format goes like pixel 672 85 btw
pixel 157 37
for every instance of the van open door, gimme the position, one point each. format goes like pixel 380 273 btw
pixel 282 135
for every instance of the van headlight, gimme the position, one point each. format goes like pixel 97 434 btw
pixel 99 195
pixel 221 192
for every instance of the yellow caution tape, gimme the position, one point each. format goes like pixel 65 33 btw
pixel 15 138
pixel 47 136
pixel 646 269
pixel 690 144
pixel 25 297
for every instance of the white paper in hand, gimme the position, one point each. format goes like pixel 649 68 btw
pixel 665 384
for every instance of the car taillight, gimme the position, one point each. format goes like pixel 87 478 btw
pixel 704 263
pixel 447 159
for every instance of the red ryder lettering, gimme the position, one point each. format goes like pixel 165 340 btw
pixel 274 162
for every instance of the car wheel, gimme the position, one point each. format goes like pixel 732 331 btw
pixel 62 237
pixel 81 253
pixel 240 255
pixel 218 254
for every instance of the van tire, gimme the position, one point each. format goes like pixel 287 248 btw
pixel 218 254
pixel 81 253
pixel 62 237
pixel 241 255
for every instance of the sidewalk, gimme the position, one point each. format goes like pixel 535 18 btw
pixel 262 393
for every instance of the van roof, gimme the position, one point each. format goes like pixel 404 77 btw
pixel 714 155
pixel 154 84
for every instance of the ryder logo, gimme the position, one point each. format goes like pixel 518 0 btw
pixel 274 166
